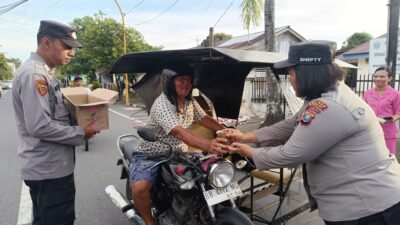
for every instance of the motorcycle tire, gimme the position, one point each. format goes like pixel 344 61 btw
pixel 230 216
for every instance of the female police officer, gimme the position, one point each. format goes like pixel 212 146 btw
pixel 349 174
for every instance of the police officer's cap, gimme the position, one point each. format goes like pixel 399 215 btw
pixel 65 33
pixel 309 53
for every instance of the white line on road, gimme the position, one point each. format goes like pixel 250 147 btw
pixel 120 114
pixel 25 206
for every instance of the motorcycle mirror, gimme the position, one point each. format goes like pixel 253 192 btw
pixel 147 134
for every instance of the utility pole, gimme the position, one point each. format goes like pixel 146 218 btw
pixel 124 40
pixel 392 37
pixel 211 37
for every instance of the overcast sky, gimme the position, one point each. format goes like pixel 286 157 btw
pixel 187 22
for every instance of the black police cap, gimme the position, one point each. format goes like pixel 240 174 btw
pixel 65 33
pixel 317 52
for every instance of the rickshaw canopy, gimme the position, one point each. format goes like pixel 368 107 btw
pixel 219 73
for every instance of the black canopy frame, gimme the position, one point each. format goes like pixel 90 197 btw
pixel 219 73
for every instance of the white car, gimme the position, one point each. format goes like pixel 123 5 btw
pixel 7 84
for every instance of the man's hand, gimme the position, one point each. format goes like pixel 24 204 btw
pixel 89 131
pixel 216 146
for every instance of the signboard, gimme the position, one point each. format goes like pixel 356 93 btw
pixel 377 55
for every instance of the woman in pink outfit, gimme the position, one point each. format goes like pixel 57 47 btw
pixel 385 101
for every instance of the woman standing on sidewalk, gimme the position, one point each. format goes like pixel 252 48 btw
pixel 385 101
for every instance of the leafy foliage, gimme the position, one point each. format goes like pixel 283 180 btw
pixel 221 36
pixel 16 61
pixel 5 70
pixel 102 40
pixel 356 39
pixel 251 12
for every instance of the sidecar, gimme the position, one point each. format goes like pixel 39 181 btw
pixel 220 75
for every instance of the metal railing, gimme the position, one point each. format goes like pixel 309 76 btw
pixel 359 84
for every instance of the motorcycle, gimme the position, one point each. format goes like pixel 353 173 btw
pixel 191 188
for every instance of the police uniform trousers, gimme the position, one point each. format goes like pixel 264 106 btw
pixel 390 216
pixel 53 200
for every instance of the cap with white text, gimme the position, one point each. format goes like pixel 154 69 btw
pixel 65 33
pixel 309 53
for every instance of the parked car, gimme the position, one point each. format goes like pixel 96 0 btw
pixel 7 84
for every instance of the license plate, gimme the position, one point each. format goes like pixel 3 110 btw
pixel 218 195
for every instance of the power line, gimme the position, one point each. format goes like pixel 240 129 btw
pixel 148 21
pixel 223 14
pixel 134 7
pixel 209 5
pixel 49 7
pixel 14 38
pixel 26 26
pixel 9 7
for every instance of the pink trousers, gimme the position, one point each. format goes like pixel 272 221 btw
pixel 391 144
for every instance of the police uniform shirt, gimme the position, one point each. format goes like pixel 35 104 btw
pixel 46 150
pixel 350 172
pixel 163 118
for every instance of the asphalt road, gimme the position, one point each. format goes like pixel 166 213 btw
pixel 95 170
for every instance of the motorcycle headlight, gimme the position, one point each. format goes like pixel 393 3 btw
pixel 221 174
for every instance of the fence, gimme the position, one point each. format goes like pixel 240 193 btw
pixel 359 84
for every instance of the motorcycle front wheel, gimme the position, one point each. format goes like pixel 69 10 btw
pixel 230 216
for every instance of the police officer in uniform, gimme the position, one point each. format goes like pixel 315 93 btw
pixel 348 171
pixel 47 137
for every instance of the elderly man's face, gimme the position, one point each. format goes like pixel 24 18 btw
pixel 183 85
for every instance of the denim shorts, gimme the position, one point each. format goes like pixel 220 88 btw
pixel 139 169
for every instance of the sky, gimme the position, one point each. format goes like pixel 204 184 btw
pixel 186 22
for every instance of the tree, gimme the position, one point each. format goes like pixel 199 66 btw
pixel 16 61
pixel 355 39
pixel 251 10
pixel 216 37
pixel 221 36
pixel 102 42
pixel 5 70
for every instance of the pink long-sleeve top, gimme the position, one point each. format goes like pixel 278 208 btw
pixel 388 104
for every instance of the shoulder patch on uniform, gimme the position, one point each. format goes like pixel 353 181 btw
pixel 312 110
pixel 41 86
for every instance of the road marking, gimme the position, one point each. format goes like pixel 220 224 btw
pixel 25 206
pixel 127 117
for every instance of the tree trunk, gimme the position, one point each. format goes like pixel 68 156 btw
pixel 274 112
pixel 269 17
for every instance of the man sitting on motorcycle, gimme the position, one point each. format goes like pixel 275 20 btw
pixel 172 113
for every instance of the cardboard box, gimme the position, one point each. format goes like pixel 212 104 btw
pixel 89 107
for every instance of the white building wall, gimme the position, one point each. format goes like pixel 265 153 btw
pixel 362 65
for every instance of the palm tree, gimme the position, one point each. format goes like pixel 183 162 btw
pixel 251 14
